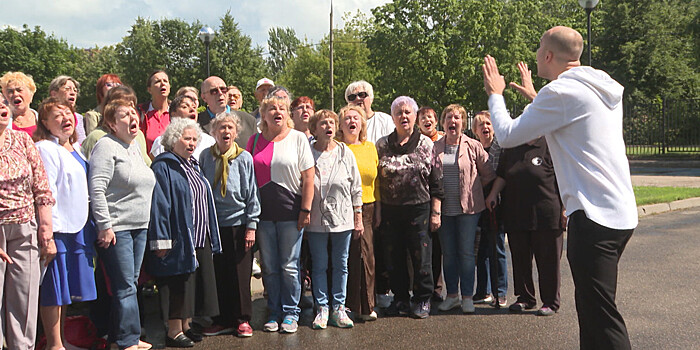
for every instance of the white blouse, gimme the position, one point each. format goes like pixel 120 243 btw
pixel 68 183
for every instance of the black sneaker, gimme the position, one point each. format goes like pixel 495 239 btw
pixel 421 309
pixel 436 298
pixel 398 308
pixel 519 307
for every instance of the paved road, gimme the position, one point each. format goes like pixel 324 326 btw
pixel 658 295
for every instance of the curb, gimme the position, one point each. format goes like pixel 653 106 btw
pixel 650 209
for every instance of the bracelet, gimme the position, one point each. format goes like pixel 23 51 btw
pixel 305 210
pixel 358 210
pixel 435 212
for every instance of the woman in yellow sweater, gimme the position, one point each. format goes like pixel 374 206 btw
pixel 360 291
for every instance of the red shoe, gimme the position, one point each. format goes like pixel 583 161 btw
pixel 216 329
pixel 245 330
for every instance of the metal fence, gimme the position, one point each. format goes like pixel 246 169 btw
pixel 662 127
pixel 653 128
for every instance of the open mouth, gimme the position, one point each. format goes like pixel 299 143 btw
pixel 226 138
pixel 134 127
pixel 17 101
pixel 278 118
pixel 163 90
pixel 404 122
pixel 329 132
pixel 427 125
pixel 352 127
pixel 452 128
pixel 190 149
pixel 4 114
pixel 71 99
pixel 193 116
pixel 486 132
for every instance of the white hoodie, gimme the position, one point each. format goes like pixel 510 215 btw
pixel 580 114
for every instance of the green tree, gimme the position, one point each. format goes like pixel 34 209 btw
pixel 34 53
pixel 95 62
pixel 650 47
pixel 282 45
pixel 234 59
pixel 308 74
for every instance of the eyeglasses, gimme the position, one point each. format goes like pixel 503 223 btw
pixel 300 107
pixel 111 84
pixel 220 89
pixel 361 94
pixel 70 88
pixel 236 96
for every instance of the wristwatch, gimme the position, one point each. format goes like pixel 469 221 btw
pixel 358 210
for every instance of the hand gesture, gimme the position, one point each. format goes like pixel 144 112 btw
pixel 494 83
pixel 526 89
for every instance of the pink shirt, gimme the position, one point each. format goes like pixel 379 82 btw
pixel 154 124
pixel 23 180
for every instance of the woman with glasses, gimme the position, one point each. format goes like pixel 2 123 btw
pixel 67 89
pixel 361 93
pixel 19 89
pixel 235 99
pixel 93 117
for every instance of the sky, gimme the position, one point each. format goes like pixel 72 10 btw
pixel 90 23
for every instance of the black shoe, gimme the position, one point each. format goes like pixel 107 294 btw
pixel 180 341
pixel 194 336
pixel 398 308
pixel 519 307
pixel 436 298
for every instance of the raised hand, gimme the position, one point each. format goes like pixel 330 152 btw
pixel 494 83
pixel 526 89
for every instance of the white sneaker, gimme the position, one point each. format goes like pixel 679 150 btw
pixel 383 301
pixel 371 317
pixel 321 320
pixel 467 306
pixel 449 304
pixel 257 273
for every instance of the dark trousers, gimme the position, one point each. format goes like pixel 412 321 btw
pixel 176 296
pixel 407 227
pixel 546 247
pixel 233 269
pixel 483 263
pixel 594 252
pixel 437 263
pixel 381 260
pixel 360 290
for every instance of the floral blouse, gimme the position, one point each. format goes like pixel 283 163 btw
pixel 23 181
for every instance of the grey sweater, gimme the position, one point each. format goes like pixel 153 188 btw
pixel 120 184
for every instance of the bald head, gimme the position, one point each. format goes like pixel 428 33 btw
pixel 560 49
pixel 214 94
pixel 564 42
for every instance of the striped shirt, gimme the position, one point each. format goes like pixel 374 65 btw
pixel 198 189
pixel 451 205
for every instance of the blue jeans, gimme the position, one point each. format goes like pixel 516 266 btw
pixel 280 247
pixel 123 264
pixel 457 235
pixel 483 270
pixel 340 247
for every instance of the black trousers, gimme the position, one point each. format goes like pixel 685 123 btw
pixel 407 227
pixel 546 247
pixel 594 252
pixel 233 269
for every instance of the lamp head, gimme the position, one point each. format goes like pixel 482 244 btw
pixel 206 35
pixel 588 4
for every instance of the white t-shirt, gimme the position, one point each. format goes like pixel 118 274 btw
pixel 379 126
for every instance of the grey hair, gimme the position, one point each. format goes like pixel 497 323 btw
pixel 226 117
pixel 175 130
pixel 61 80
pixel 404 100
pixel 359 84
pixel 277 88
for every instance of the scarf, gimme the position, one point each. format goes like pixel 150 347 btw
pixel 408 147
pixel 222 164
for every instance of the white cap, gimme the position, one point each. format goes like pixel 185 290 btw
pixel 264 81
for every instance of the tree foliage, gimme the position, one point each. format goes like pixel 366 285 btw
pixel 282 45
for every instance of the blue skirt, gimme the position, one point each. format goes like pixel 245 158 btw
pixel 71 275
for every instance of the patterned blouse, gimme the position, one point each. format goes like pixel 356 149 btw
pixel 23 180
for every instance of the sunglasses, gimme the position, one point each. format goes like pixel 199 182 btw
pixel 221 89
pixel 362 94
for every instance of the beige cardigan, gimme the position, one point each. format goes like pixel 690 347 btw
pixel 474 172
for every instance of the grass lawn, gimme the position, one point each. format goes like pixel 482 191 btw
pixel 651 195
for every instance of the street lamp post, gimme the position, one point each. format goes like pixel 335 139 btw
pixel 206 34
pixel 588 5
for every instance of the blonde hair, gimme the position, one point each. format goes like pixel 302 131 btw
pixel 363 121
pixel 20 78
pixel 478 118
pixel 321 115
pixel 266 103
pixel 185 89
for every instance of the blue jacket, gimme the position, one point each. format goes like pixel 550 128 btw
pixel 171 220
